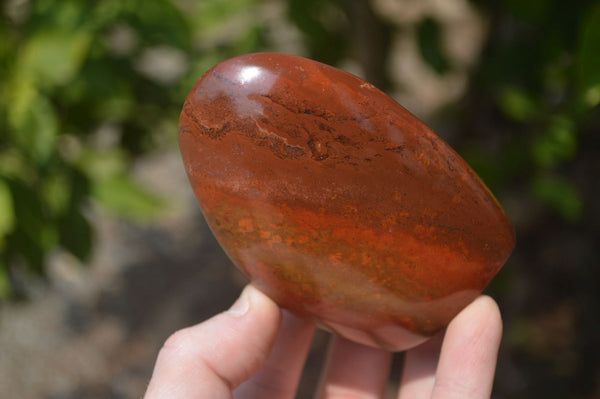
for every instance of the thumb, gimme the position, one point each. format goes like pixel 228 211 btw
pixel 212 358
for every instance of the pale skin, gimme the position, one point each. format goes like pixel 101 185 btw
pixel 256 350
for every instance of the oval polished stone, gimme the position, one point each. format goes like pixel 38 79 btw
pixel 336 201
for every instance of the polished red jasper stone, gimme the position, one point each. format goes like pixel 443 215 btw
pixel 336 201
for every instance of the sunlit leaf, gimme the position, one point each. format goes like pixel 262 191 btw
pixel 56 192
pixel 212 13
pixel 517 104
pixel 23 93
pixel 34 122
pixel 101 165
pixel 560 195
pixel 7 215
pixel 13 164
pixel 557 143
pixel 53 57
pixel 588 60
pixel 126 198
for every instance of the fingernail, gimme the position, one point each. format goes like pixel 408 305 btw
pixel 241 306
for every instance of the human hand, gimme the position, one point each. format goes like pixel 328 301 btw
pixel 254 350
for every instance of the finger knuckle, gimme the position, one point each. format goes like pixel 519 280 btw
pixel 177 341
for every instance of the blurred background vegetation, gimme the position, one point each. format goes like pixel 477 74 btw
pixel 89 88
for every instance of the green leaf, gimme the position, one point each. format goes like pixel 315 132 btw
pixel 43 126
pixel 485 165
pixel 252 40
pixel 34 122
pixel 23 94
pixel 32 223
pixel 14 165
pixel 159 21
pixel 66 14
pixel 5 287
pixel 54 57
pixel 560 195
pixel 114 188
pixel 7 213
pixel 117 107
pixel 34 235
pixel 56 192
pixel 76 234
pixel 588 60
pixel 322 22
pixel 212 13
pixel 123 196
pixel 557 143
pixel 101 165
pixel 517 104
pixel 429 36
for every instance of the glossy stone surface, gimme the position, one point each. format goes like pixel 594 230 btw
pixel 336 201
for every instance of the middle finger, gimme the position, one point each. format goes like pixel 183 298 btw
pixel 354 370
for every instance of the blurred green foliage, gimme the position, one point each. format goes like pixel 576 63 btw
pixel 532 121
pixel 323 24
pixel 540 70
pixel 79 101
